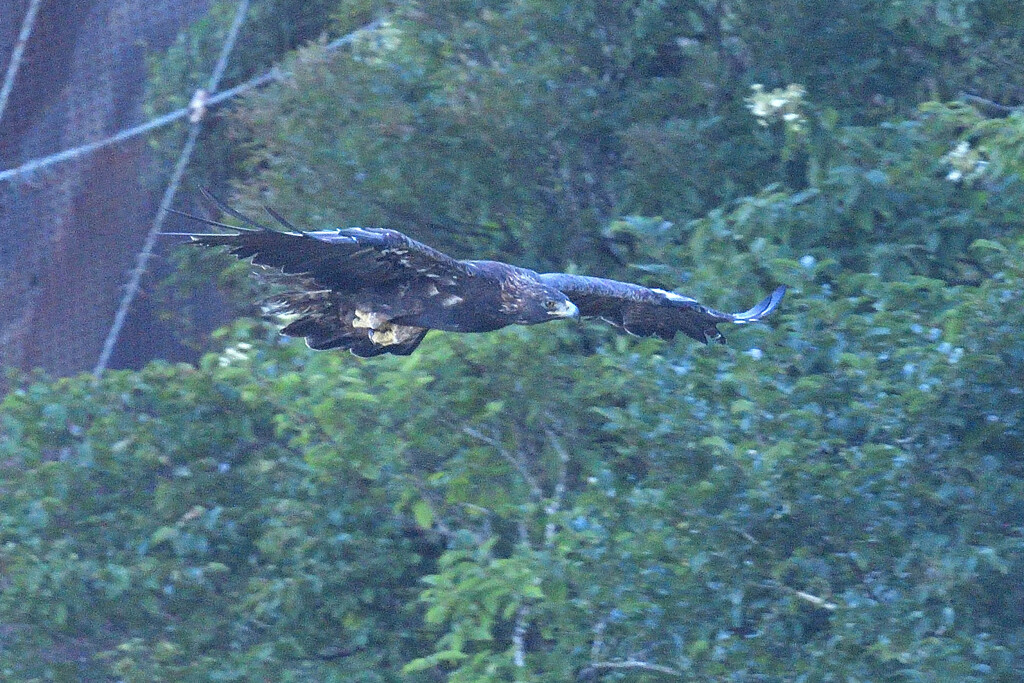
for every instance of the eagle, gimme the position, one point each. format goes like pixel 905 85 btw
pixel 375 291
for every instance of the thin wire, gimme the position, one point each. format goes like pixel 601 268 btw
pixel 17 53
pixel 255 82
pixel 93 146
pixel 172 187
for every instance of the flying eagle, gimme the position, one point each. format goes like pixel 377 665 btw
pixel 376 291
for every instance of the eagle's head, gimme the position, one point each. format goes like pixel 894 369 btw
pixel 539 303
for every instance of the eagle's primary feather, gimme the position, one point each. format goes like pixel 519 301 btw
pixel 375 291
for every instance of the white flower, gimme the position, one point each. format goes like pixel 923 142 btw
pixel 781 104
pixel 967 163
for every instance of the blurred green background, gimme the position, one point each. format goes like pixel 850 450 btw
pixel 835 495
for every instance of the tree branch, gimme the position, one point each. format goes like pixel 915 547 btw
pixel 594 667
pixel 519 636
pixel 988 107
pixel 535 489
pixel 804 595
pixel 558 494
pixel 598 644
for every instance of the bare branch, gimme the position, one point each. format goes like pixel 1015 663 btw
pixel 598 644
pixel 988 107
pixel 517 463
pixel 519 636
pixel 630 664
pixel 815 600
pixel 746 535
pixel 804 595
pixel 559 491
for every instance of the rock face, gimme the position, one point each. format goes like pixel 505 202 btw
pixel 69 233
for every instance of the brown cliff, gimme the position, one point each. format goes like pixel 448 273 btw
pixel 69 233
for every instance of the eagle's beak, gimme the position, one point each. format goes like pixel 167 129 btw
pixel 565 310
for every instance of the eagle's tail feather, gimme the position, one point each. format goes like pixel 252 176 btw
pixel 320 335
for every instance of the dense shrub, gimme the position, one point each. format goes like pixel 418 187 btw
pixel 835 495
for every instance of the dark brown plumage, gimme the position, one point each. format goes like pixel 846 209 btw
pixel 376 291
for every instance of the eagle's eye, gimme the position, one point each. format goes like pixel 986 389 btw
pixel 550 304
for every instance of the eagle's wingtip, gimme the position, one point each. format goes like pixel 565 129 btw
pixel 776 297
pixel 250 224
pixel 207 221
pixel 765 307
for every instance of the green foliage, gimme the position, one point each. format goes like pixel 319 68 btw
pixel 271 28
pixel 525 129
pixel 836 495
pixel 518 128
pixel 843 499
pixel 156 527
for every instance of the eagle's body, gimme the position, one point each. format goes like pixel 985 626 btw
pixel 376 291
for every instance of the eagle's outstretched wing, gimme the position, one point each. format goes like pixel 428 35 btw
pixel 377 291
pixel 343 260
pixel 652 312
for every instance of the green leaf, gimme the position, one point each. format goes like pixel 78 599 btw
pixel 164 534
pixel 443 657
pixel 423 514
pixel 991 245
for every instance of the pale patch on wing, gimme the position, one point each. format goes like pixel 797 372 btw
pixel 433 290
pixel 389 335
pixel 370 319
pixel 381 331
pixel 672 296
pixel 451 300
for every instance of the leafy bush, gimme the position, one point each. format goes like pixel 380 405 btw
pixel 842 499
pixel 835 495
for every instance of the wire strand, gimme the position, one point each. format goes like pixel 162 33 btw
pixel 17 53
pixel 172 187
pixel 170 117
